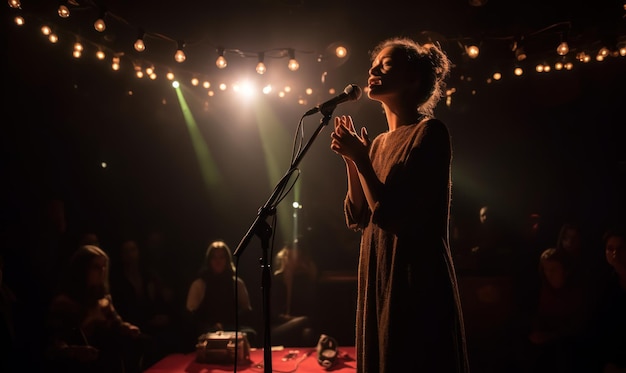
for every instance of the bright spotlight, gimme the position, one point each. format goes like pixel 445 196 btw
pixel 246 89
pixel 175 84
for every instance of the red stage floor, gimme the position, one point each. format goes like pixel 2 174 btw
pixel 305 361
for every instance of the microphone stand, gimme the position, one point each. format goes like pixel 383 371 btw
pixel 261 228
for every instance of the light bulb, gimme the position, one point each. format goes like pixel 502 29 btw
pixel 562 49
pixel 604 52
pixel 15 4
pixel 341 52
pixel 99 25
pixel 472 51
pixel 139 45
pixel 293 64
pixel 63 11
pixel 115 65
pixel 260 68
pixel 180 56
pixel 221 62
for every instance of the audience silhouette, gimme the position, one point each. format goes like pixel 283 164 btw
pixel 218 300
pixel 141 298
pixel 569 294
pixel 84 331
pixel 294 298
pixel 561 317
pixel 607 338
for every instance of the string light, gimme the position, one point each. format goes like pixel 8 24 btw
pixel 46 30
pixel 180 56
pixel 115 63
pixel 64 11
pixel 221 60
pixel 139 44
pixel 472 51
pixel 293 64
pixel 99 24
pixel 518 49
pixel 604 52
pixel 584 54
pixel 583 57
pixel 563 48
pixel 341 51
pixel 260 67
pixel 78 50
pixel 138 72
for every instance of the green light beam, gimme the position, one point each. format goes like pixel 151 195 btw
pixel 208 168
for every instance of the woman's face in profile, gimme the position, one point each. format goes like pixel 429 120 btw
pixel 388 75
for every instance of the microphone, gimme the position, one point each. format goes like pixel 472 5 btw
pixel 351 93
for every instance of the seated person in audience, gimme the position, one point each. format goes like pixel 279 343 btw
pixel 608 332
pixel 293 298
pixel 571 240
pixel 211 303
pixel 141 298
pixel 560 319
pixel 85 332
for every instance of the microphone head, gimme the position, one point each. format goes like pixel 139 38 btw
pixel 353 91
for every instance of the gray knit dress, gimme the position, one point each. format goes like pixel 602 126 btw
pixel 408 316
